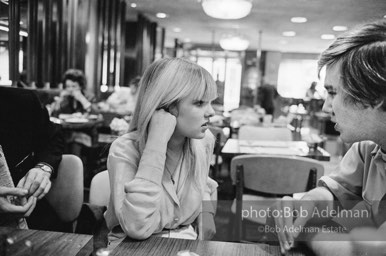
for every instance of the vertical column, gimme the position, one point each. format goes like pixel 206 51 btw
pixel 259 73
pixel 14 40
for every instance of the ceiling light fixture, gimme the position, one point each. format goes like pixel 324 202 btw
pixel 234 42
pixel 133 5
pixel 161 15
pixel 298 19
pixel 289 33
pixel 339 28
pixel 327 36
pixel 177 30
pixel 227 9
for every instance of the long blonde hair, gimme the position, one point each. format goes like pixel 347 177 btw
pixel 165 83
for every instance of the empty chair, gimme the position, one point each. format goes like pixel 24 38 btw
pixel 248 132
pixel 100 189
pixel 260 180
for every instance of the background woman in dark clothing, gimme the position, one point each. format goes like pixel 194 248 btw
pixel 73 98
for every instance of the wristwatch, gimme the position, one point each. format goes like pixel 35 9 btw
pixel 44 167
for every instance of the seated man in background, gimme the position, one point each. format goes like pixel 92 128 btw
pixel 33 148
pixel 356 85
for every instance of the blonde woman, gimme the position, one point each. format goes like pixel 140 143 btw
pixel 159 170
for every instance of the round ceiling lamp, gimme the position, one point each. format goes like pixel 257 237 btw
pixel 234 43
pixel 227 9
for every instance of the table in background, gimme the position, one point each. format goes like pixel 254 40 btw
pixel 233 148
pixel 44 243
pixel 169 246
pixel 88 128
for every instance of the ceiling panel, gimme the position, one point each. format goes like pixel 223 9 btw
pixel 272 17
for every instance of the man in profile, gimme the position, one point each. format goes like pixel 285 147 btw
pixel 356 85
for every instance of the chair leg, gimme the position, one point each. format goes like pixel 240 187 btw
pixel 236 232
pixel 231 230
pixel 66 193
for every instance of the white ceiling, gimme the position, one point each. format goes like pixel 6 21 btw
pixel 272 17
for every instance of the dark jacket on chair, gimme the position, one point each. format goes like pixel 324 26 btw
pixel 26 133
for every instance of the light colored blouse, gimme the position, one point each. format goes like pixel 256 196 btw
pixel 143 199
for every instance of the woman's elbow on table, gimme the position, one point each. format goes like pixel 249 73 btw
pixel 137 230
pixel 139 227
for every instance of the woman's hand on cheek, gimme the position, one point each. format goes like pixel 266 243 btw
pixel 162 125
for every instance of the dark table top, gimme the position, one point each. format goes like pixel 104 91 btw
pixel 168 246
pixel 43 243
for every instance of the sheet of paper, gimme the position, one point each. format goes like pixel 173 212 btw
pixel 274 151
pixel 272 144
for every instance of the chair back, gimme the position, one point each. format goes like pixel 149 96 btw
pixel 248 132
pixel 100 189
pixel 66 193
pixel 272 176
pixel 278 175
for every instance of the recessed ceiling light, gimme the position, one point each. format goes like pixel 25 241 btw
pixel 133 5
pixel 187 40
pixel 289 33
pixel 327 36
pixel 161 15
pixel 177 30
pixel 339 28
pixel 298 19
